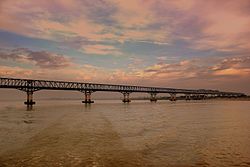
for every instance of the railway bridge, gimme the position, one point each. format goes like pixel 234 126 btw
pixel 30 86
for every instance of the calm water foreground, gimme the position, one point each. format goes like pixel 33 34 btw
pixel 109 133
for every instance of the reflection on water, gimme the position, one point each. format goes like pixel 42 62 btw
pixel 29 108
pixel 86 107
pixel 110 133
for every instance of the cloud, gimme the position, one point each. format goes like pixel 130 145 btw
pixel 219 25
pixel 42 59
pixel 232 72
pixel 202 23
pixel 198 69
pixel 84 73
pixel 15 72
pixel 223 25
pixel 102 21
pixel 101 49
pixel 182 69
pixel 236 66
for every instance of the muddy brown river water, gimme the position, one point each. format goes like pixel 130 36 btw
pixel 109 133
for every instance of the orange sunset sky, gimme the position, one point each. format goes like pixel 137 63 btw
pixel 167 43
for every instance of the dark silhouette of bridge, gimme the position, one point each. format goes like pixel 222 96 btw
pixel 30 86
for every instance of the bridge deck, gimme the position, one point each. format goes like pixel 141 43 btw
pixel 35 85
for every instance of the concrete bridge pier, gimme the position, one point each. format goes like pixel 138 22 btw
pixel 153 97
pixel 29 101
pixel 126 97
pixel 87 99
pixel 172 97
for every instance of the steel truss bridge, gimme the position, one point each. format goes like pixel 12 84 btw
pixel 30 86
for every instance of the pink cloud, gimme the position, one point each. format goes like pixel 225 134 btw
pixel 46 18
pixel 225 27
pixel 101 50
pixel 204 22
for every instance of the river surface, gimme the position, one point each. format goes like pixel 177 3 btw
pixel 110 133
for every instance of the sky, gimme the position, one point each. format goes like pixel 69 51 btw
pixel 166 43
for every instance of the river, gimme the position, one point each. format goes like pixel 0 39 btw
pixel 110 133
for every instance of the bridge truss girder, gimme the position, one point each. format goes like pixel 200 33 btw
pixel 30 86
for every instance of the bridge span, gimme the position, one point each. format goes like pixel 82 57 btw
pixel 30 86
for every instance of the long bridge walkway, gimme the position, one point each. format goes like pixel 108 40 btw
pixel 30 86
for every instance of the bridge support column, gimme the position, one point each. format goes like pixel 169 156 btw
pixel 172 97
pixel 126 97
pixel 87 99
pixel 153 97
pixel 29 101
